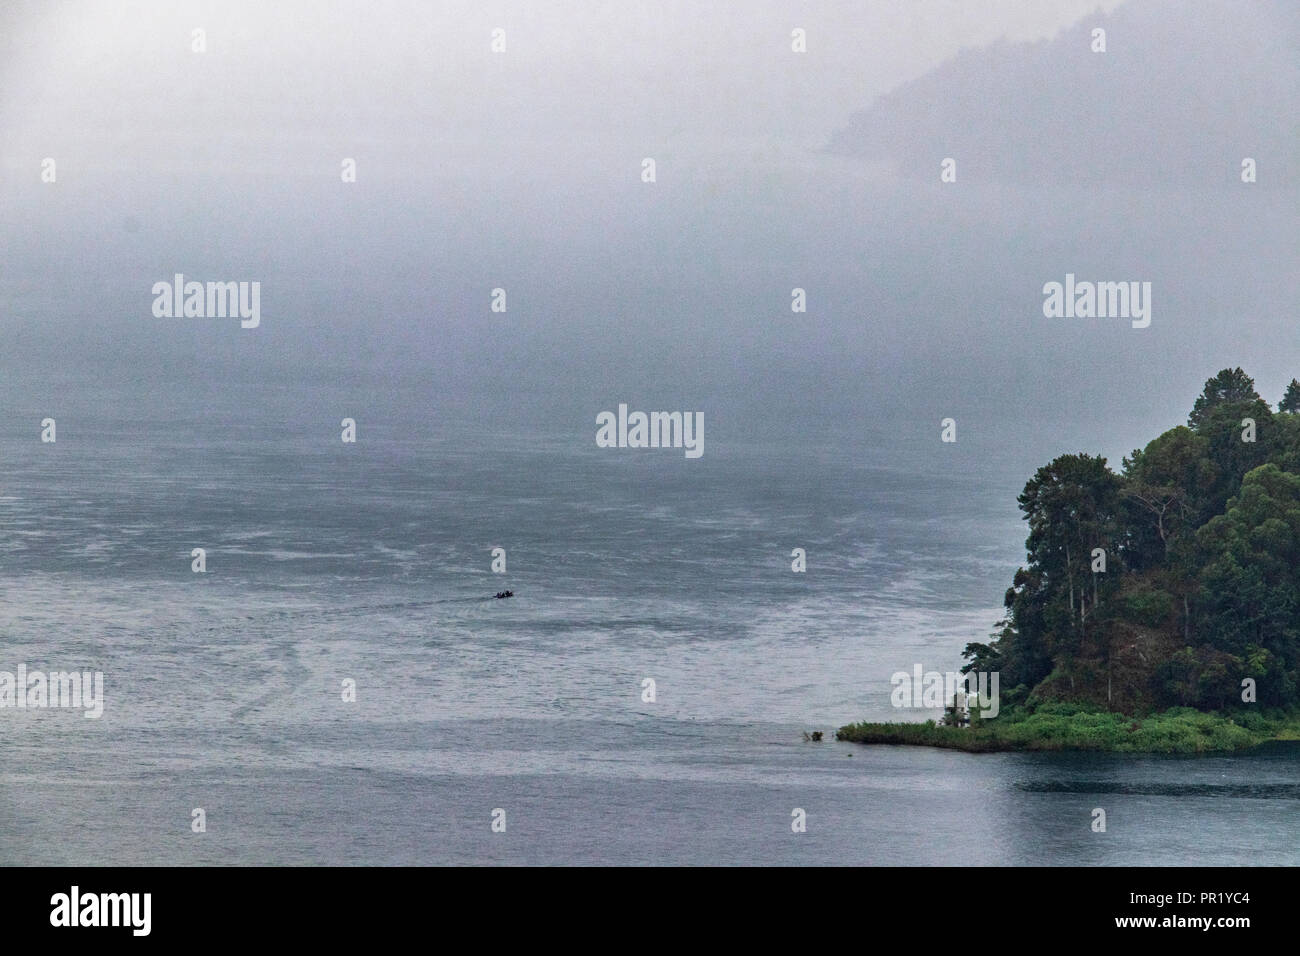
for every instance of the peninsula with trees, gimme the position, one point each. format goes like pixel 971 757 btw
pixel 1158 609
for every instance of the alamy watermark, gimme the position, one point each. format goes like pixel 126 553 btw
pixel 1100 300
pixel 36 690
pixel 653 430
pixel 212 300
pixel 932 690
pixel 75 908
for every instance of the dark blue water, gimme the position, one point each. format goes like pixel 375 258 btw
pixel 371 563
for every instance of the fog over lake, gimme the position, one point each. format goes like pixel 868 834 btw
pixel 523 171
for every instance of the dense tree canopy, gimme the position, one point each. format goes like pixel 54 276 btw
pixel 1230 386
pixel 1291 399
pixel 1170 582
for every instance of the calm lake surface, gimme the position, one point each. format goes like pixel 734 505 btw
pixel 328 562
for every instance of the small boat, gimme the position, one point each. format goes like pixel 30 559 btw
pixel 505 594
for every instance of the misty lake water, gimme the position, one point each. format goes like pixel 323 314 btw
pixel 328 562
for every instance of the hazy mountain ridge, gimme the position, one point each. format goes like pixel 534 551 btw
pixel 1168 102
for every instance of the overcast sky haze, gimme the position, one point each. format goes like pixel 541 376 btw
pixel 774 170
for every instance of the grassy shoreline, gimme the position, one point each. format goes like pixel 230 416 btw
pixel 1180 730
